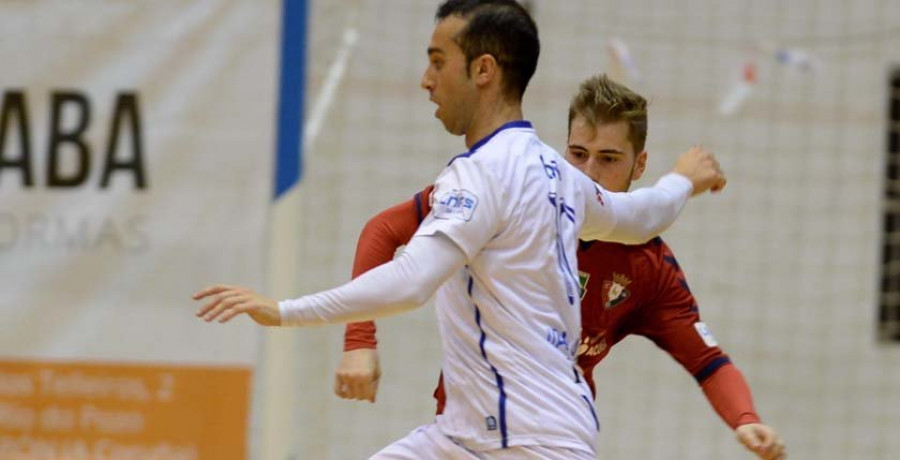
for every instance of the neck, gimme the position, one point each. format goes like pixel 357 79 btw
pixel 491 117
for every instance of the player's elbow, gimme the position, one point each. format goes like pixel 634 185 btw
pixel 420 297
pixel 410 292
pixel 631 235
pixel 377 229
pixel 414 295
pixel 636 239
pixel 402 302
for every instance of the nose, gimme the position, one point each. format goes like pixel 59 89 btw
pixel 426 82
pixel 593 164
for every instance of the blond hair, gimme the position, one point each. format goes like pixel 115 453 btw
pixel 601 100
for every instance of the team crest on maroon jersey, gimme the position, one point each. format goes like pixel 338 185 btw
pixel 616 290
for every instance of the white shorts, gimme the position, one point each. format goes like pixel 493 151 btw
pixel 428 442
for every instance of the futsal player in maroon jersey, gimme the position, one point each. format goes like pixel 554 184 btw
pixel 626 290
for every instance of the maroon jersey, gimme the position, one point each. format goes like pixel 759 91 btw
pixel 640 290
pixel 625 290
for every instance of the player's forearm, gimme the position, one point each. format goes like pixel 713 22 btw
pixel 397 286
pixel 728 393
pixel 645 213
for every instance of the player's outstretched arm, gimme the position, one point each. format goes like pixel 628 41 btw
pixel 226 302
pixel 636 217
pixel 761 440
pixel 400 285
pixel 673 323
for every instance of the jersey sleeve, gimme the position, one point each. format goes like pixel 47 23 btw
pixel 402 284
pixel 465 206
pixel 633 217
pixel 728 393
pixel 672 321
pixel 378 242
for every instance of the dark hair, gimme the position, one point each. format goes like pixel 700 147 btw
pixel 503 29
pixel 602 100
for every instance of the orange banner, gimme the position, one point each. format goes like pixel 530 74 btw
pixel 88 411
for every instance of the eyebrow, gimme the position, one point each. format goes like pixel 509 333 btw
pixel 606 151
pixel 432 50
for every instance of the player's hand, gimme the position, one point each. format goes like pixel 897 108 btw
pixel 702 168
pixel 761 440
pixel 226 302
pixel 357 375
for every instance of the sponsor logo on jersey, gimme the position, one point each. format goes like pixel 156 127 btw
pixel 705 334
pixel 594 345
pixel 583 278
pixel 456 204
pixel 559 339
pixel 615 291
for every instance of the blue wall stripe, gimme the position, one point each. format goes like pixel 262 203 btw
pixel 291 96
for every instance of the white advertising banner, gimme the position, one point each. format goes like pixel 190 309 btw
pixel 136 144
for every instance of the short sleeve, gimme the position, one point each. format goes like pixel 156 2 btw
pixel 464 206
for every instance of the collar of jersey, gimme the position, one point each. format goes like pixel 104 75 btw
pixel 484 140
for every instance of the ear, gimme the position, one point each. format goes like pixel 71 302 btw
pixel 640 165
pixel 484 69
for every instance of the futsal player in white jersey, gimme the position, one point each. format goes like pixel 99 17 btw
pixel 500 244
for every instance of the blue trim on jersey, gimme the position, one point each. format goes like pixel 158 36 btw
pixel 561 258
pixel 710 368
pixel 504 441
pixel 292 81
pixel 479 144
pixel 461 155
pixel 577 378
pixel 419 215
pixel 671 260
pixel 563 261
pixel 565 209
pixel 593 413
pixel 512 124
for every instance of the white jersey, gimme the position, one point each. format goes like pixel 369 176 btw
pixel 510 320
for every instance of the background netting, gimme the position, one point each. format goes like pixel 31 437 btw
pixel 785 264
